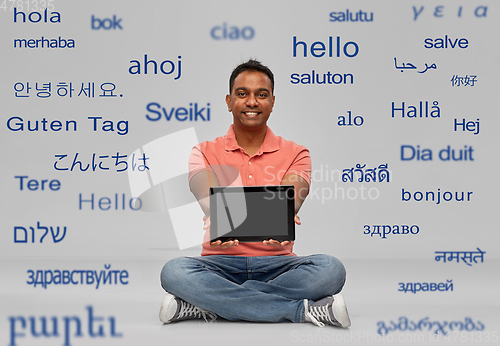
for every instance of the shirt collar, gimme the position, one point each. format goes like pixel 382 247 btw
pixel 270 143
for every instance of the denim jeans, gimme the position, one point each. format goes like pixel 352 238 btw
pixel 258 289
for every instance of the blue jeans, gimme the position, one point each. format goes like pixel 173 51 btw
pixel 258 289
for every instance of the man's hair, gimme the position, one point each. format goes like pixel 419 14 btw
pixel 252 66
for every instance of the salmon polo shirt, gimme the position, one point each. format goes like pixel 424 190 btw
pixel 275 158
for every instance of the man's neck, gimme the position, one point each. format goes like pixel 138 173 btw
pixel 250 141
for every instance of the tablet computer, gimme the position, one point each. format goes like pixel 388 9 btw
pixel 252 213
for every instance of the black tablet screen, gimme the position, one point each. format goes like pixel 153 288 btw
pixel 253 214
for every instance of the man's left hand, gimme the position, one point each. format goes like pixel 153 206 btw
pixel 273 242
pixel 297 219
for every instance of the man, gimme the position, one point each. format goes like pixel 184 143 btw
pixel 261 282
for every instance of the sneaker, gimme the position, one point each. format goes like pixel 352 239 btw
pixel 175 309
pixel 331 310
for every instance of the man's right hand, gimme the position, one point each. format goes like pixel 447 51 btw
pixel 225 245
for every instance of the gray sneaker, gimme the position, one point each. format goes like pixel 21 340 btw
pixel 330 310
pixel 175 309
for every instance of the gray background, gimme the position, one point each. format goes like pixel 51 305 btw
pixel 141 242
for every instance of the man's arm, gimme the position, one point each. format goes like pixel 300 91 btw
pixel 299 175
pixel 200 185
pixel 301 188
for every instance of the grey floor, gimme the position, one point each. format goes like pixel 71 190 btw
pixel 371 293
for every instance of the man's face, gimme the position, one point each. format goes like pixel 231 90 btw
pixel 251 100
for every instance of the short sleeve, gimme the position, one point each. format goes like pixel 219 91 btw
pixel 197 161
pixel 301 165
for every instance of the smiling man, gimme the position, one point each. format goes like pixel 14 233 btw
pixel 252 281
pixel 251 101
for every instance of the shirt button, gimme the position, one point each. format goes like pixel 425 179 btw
pixel 249 162
pixel 250 176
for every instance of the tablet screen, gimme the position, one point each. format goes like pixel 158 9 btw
pixel 252 213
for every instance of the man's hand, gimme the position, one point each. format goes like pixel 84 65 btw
pixel 236 242
pixel 273 242
pixel 297 219
pixel 225 245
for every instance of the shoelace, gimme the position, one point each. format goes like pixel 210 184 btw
pixel 317 312
pixel 187 310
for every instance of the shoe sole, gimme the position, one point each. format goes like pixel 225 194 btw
pixel 165 313
pixel 340 311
